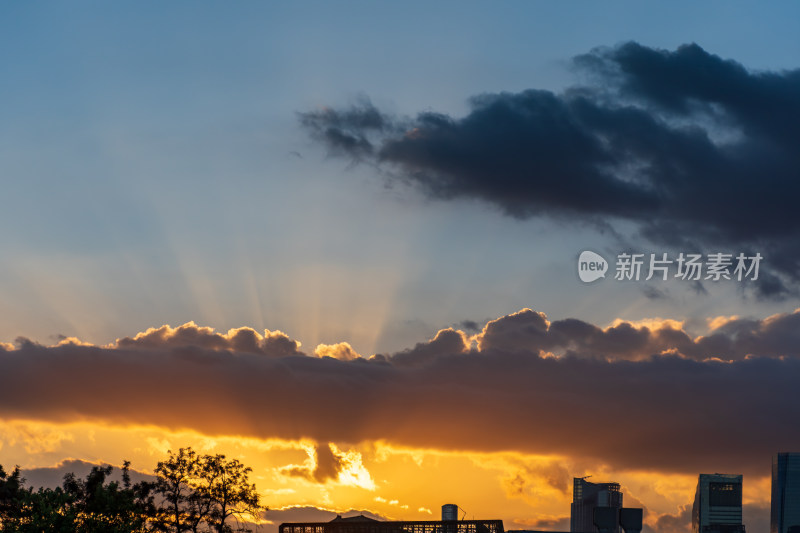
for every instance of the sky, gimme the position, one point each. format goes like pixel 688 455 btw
pixel 342 242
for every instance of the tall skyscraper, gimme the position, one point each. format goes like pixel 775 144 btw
pixel 785 492
pixel 718 504
pixel 585 497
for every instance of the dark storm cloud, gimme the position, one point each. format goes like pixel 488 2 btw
pixel 470 326
pixel 756 516
pixel 348 132
pixel 327 466
pixel 446 341
pixel 53 476
pixel 775 336
pixel 680 522
pixel 528 476
pixel 735 339
pixel 629 395
pixel 692 148
pixel 653 293
pixel 698 288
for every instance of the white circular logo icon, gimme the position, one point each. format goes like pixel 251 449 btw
pixel 591 266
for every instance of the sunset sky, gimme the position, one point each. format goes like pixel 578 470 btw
pixel 340 242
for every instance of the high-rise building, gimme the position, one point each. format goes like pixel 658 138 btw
pixel 585 497
pixel 785 492
pixel 718 504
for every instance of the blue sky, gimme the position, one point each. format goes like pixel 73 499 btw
pixel 154 170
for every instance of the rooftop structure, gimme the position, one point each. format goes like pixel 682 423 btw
pixel 363 524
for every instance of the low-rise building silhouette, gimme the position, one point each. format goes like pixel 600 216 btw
pixel 363 524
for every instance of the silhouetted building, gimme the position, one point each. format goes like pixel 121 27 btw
pixel 586 497
pixel 630 519
pixel 718 504
pixel 363 524
pixel 785 493
pixel 606 519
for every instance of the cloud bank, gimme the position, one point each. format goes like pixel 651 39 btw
pixel 632 395
pixel 697 151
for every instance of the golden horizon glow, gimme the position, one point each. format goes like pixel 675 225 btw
pixel 374 475
pixel 396 482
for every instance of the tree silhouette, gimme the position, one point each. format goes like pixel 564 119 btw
pixel 183 507
pixel 191 492
pixel 201 492
pixel 11 493
pixel 88 506
pixel 226 485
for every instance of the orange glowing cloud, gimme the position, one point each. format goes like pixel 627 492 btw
pixel 601 397
pixel 342 351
